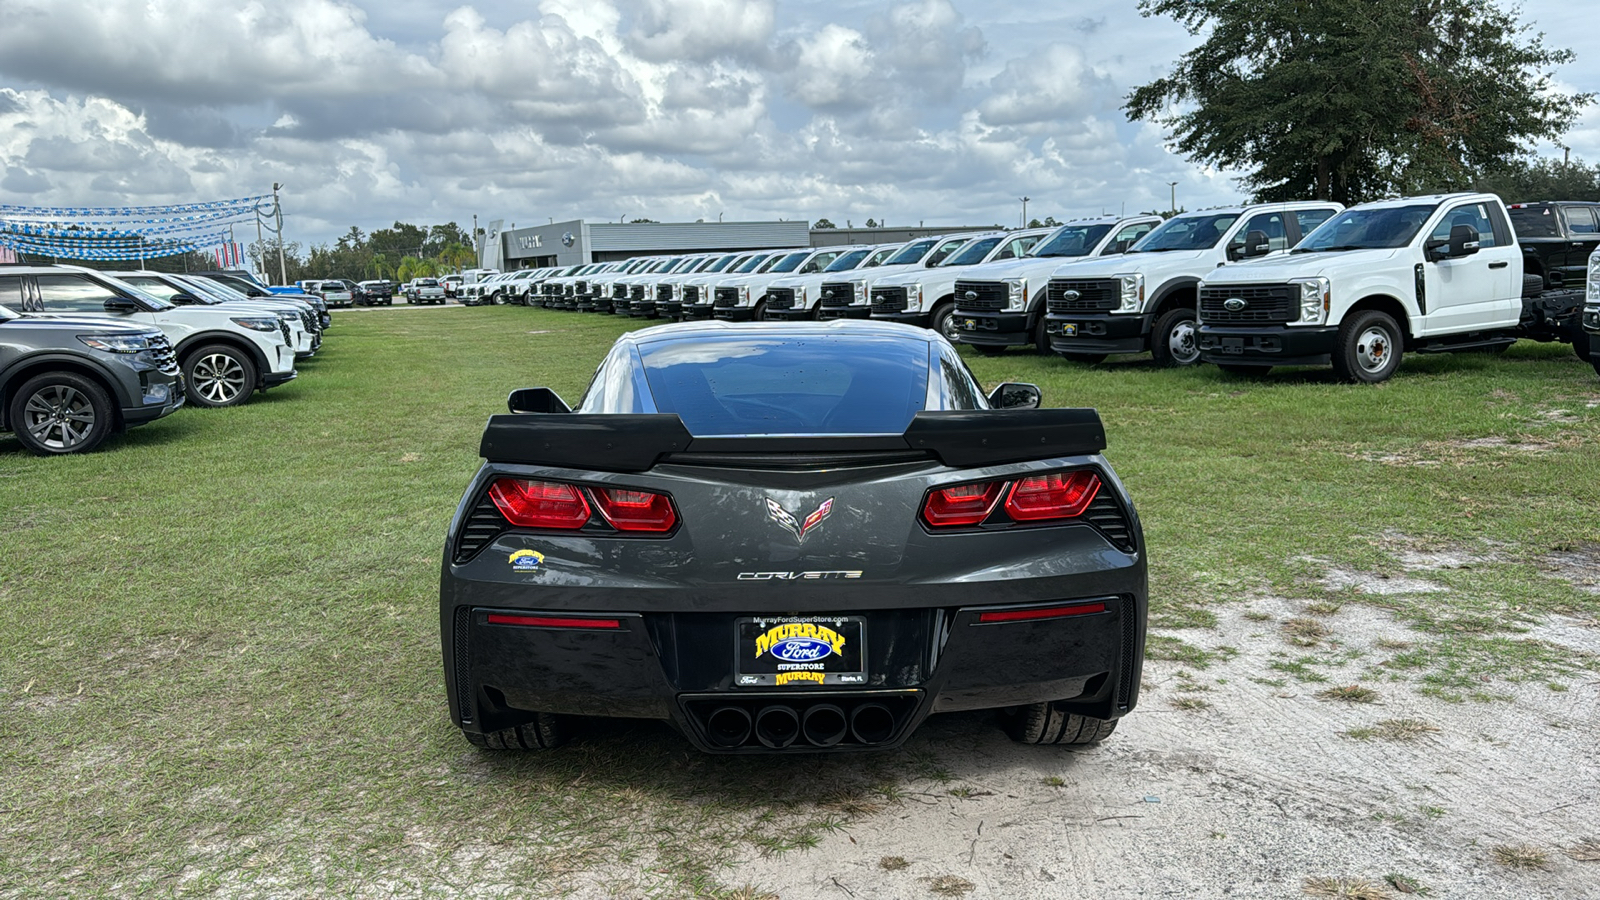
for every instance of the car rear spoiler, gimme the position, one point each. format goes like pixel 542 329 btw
pixel 634 443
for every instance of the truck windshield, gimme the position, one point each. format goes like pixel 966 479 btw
pixel 973 253
pixel 879 258
pixel 1073 240
pixel 910 253
pixel 1367 229
pixel 750 264
pixel 1534 221
pixel 717 265
pixel 848 261
pixel 791 262
pixel 833 384
pixel 1198 232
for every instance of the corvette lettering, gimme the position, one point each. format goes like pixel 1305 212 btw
pixel 797 576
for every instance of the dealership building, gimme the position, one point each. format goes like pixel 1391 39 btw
pixel 581 241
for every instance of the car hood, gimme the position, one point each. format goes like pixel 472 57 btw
pixel 1154 266
pixel 1302 265
pixel 81 324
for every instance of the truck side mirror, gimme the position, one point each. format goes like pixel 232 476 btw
pixel 1463 240
pixel 1256 243
pixel 1015 395
pixel 536 400
pixel 121 305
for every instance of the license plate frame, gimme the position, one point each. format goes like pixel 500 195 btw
pixel 800 651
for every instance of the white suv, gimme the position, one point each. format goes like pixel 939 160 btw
pixel 225 353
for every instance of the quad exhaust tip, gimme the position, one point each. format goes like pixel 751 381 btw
pixel 824 725
pixel 872 723
pixel 777 726
pixel 728 726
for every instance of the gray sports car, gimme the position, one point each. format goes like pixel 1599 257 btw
pixel 787 537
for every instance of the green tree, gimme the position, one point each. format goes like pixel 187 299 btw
pixel 1543 179
pixel 871 224
pixel 1349 100
pixel 823 224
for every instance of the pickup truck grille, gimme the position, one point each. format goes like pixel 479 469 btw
pixel 987 296
pixel 572 290
pixel 636 293
pixel 780 298
pixel 619 292
pixel 1092 296
pixel 691 294
pixel 837 294
pixel 581 287
pixel 888 299
pixel 1264 303
pixel 161 351
pixel 663 293
pixel 726 298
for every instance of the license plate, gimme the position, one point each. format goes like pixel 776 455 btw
pixel 1068 329
pixel 1233 345
pixel 969 324
pixel 796 651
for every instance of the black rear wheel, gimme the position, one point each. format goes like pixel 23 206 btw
pixel 1045 723
pixel 546 732
pixel 60 412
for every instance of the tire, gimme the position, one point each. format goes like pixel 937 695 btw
pixel 988 349
pixel 1041 341
pixel 1594 360
pixel 1369 348
pixel 943 319
pixel 545 732
pixel 1581 344
pixel 1243 371
pixel 1173 341
pixel 218 375
pixel 760 312
pixel 1045 723
pixel 1088 359
pixel 61 412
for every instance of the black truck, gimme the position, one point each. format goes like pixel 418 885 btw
pixel 1557 238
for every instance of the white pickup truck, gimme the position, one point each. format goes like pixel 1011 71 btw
pixel 1591 310
pixel 1145 298
pixel 1425 274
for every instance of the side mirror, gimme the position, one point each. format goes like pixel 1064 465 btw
pixel 1015 395
pixel 1463 240
pixel 1256 243
pixel 536 400
pixel 1119 247
pixel 121 305
pixel 182 299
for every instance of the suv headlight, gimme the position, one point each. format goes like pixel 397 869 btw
pixel 256 323
pixel 1315 298
pixel 1016 294
pixel 121 343
pixel 1131 290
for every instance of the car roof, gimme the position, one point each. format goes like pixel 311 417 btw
pixel 689 331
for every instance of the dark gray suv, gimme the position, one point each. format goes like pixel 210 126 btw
pixel 66 383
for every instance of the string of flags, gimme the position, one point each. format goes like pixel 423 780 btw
pixel 127 232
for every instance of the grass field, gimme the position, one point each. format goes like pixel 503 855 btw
pixel 219 668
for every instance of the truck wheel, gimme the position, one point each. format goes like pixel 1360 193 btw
pixel 1087 359
pixel 1368 349
pixel 1244 371
pixel 760 313
pixel 1041 340
pixel 1043 723
pixel 1580 343
pixel 545 732
pixel 943 320
pixel 219 375
pixel 1173 340
pixel 60 412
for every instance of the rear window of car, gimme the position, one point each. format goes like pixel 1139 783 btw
pixel 827 384
pixel 1535 221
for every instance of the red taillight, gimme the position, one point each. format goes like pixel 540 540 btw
pixel 540 504
pixel 635 510
pixel 964 504
pixel 1059 495
pixel 552 621
pixel 1049 612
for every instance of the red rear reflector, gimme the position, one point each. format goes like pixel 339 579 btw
pixel 552 621
pixel 1059 495
pixel 1024 615
pixel 540 504
pixel 966 504
pixel 635 510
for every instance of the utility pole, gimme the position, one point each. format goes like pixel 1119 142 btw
pixel 1024 223
pixel 1172 203
pixel 261 248
pixel 477 247
pixel 277 210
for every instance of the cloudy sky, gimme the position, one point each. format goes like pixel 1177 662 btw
pixel 943 111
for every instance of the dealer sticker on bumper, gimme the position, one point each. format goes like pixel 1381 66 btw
pixel 1067 329
pixel 969 324
pixel 817 650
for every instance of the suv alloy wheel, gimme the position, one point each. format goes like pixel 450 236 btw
pixel 219 375
pixel 60 412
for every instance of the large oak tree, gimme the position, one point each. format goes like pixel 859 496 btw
pixel 1351 100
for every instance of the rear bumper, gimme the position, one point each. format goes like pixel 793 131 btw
pixel 920 661
pixel 1266 345
pixel 1096 333
pixel 992 329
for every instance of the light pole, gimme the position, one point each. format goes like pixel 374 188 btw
pixel 1024 222
pixel 277 209
pixel 1172 203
